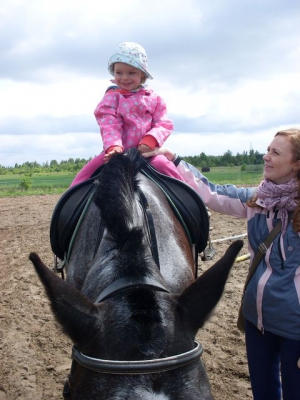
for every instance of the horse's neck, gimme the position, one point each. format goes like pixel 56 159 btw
pixel 91 265
pixel 175 253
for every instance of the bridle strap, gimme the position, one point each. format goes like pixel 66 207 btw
pixel 138 367
pixel 129 282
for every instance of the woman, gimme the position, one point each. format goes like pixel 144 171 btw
pixel 271 304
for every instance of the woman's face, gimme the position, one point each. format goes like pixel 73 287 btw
pixel 279 165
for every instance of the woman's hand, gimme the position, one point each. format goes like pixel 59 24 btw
pixel 160 151
pixel 143 148
pixel 298 363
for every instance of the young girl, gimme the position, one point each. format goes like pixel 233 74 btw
pixel 130 114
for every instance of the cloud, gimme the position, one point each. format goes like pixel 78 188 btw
pixel 226 69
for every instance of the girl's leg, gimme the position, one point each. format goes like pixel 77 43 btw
pixel 290 373
pixel 88 170
pixel 263 362
pixel 164 166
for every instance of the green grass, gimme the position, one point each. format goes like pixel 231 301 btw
pixel 57 183
pixel 234 175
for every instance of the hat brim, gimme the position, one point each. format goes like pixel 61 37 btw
pixel 122 58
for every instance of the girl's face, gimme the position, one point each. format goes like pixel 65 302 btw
pixel 279 165
pixel 127 77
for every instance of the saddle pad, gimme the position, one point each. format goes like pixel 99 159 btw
pixel 66 215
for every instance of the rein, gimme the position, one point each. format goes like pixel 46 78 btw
pixel 138 367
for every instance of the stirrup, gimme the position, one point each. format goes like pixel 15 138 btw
pixel 208 253
pixel 58 266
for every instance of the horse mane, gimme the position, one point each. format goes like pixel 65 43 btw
pixel 117 185
pixel 116 199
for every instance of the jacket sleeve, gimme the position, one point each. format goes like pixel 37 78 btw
pixel 109 121
pixel 161 126
pixel 225 199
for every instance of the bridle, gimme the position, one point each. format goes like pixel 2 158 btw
pixel 138 367
pixel 135 367
pixel 142 367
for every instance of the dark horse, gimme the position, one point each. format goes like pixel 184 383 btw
pixel 134 325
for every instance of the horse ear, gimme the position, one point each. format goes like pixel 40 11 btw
pixel 197 301
pixel 72 309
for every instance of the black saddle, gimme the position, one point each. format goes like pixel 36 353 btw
pixel 184 201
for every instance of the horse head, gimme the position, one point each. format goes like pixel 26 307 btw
pixel 133 324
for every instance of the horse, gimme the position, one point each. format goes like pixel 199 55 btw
pixel 131 305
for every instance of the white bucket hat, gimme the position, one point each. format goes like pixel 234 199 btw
pixel 132 54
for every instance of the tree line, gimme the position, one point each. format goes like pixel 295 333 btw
pixel 226 160
pixel 74 165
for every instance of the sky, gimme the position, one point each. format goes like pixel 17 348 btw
pixel 228 70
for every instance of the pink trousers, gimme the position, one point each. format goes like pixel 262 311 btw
pixel 160 163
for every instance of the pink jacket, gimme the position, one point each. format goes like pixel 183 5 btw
pixel 125 119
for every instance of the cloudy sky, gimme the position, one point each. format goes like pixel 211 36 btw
pixel 229 71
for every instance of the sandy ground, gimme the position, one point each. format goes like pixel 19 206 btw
pixel 35 355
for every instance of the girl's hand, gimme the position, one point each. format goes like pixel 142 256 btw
pixel 114 149
pixel 107 156
pixel 298 363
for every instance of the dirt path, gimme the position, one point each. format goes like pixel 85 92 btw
pixel 35 354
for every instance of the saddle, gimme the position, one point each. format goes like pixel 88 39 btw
pixel 186 204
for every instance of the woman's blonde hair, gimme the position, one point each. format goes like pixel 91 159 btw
pixel 293 135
